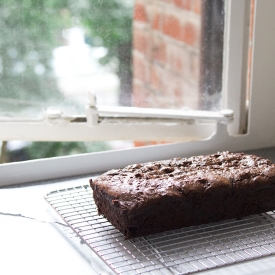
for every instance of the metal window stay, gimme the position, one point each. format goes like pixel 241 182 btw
pixel 116 120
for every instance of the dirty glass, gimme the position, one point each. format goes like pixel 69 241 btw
pixel 129 53
pixel 141 53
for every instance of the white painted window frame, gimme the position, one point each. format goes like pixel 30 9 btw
pixel 260 119
pixel 144 124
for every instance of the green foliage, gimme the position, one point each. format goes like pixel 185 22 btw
pixel 111 20
pixel 31 29
pixel 27 38
pixel 39 150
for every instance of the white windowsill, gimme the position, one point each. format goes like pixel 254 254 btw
pixel 36 240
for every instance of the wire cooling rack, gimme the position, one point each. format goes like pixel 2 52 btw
pixel 184 251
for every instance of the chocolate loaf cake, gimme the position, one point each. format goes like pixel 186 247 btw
pixel 149 198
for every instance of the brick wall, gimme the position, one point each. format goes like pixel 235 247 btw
pixel 250 49
pixel 166 53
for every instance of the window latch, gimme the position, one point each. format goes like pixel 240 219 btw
pixel 114 114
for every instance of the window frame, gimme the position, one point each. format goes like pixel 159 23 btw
pixel 260 129
pixel 236 45
pixel 62 128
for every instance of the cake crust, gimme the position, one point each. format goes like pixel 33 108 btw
pixel 153 197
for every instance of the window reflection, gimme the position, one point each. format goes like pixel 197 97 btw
pixel 177 54
pixel 147 53
pixel 54 52
pixel 167 54
pixel 211 53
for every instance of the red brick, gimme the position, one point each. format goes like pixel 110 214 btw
pixel 171 26
pixel 186 4
pixel 251 19
pixel 140 12
pixel 139 68
pixel 143 96
pixel 197 6
pixel 147 143
pixel 185 60
pixel 194 69
pixel 189 34
pixel 165 1
pixel 142 143
pixel 141 41
pixel 157 20
pixel 158 50
pixel 250 51
pixel 176 56
pixel 155 78
pixel 172 92
pixel 165 75
pixel 139 94
pixel 177 92
pixel 177 3
pixel 249 66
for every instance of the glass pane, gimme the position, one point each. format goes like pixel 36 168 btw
pixel 177 54
pixel 52 52
pixel 142 53
pixel 146 53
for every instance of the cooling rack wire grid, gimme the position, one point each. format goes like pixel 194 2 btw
pixel 184 251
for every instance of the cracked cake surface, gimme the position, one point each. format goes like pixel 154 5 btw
pixel 146 198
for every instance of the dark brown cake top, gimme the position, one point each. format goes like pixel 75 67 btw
pixel 139 183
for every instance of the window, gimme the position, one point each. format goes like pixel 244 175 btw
pixel 59 66
pixel 167 50
pixel 166 63
pixel 258 133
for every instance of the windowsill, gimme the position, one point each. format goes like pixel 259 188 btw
pixel 36 240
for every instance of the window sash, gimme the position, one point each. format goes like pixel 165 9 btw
pixel 53 130
pixel 236 47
